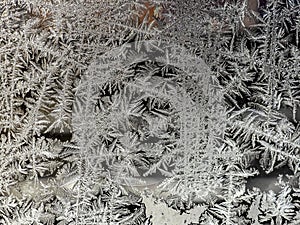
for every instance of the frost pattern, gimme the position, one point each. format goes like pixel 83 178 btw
pixel 196 100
